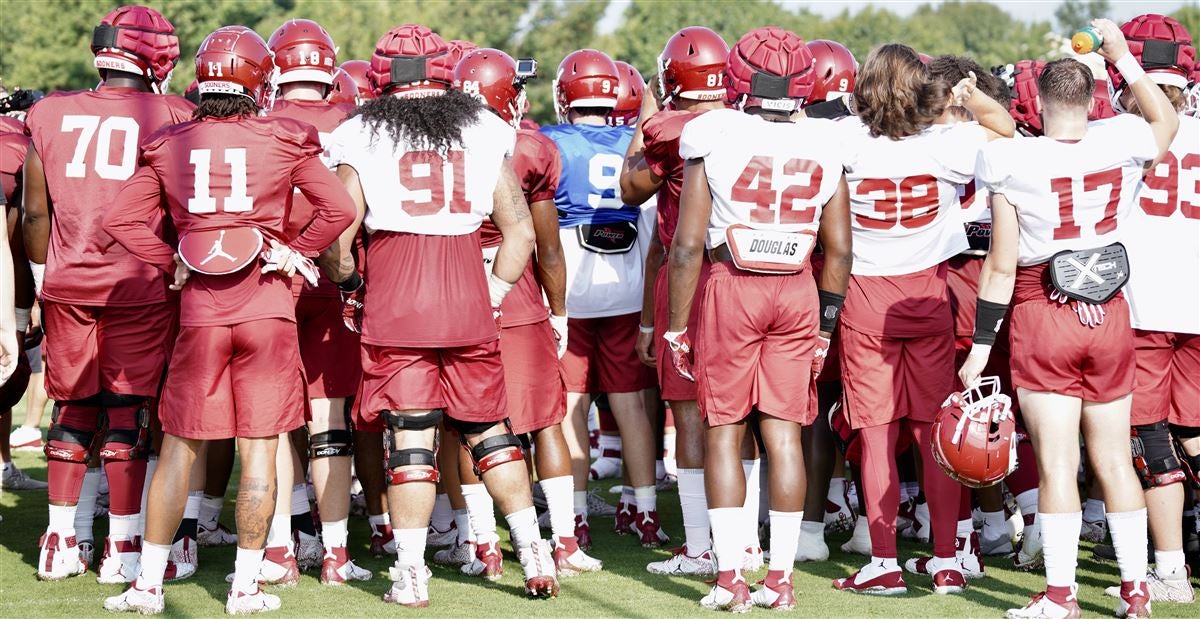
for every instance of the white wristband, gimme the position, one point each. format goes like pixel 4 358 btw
pixel 23 315
pixel 498 289
pixel 981 349
pixel 1129 69
pixel 645 329
pixel 39 274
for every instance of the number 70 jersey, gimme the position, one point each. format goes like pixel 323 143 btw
pixel 762 174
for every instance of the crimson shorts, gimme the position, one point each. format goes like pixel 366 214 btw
pixel 537 397
pixel 673 387
pixel 1167 378
pixel 601 357
pixel 117 349
pixel 466 382
pixel 755 350
pixel 328 349
pixel 895 378
pixel 242 380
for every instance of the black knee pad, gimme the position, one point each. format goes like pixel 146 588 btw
pixel 67 444
pixel 471 427
pixel 494 451
pixel 422 421
pixel 1184 433
pixel 331 444
pixel 1191 466
pixel 1154 456
pixel 422 457
pixel 121 442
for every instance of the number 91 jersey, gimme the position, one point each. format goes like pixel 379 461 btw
pixel 763 174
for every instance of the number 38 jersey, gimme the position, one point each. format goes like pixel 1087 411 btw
pixel 1070 195
pixel 904 195
pixel 88 144
pixel 766 175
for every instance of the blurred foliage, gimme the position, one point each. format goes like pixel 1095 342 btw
pixel 44 43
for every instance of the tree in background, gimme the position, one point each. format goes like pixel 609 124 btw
pixel 1072 15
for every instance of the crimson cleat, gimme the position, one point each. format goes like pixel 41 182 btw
pixel 183 561
pixel 583 532
pixel 539 568
pixel 776 592
pixel 488 561
pixel 1134 602
pixel 383 544
pixel 623 521
pixel 1042 607
pixel 730 593
pixel 278 569
pixel 946 582
pixel 337 568
pixel 648 528
pixel 887 583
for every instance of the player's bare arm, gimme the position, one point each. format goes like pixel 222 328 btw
pixel 992 116
pixel 836 244
pixel 335 211
pixel 638 182
pixel 36 204
pixel 1151 100
pixel 645 340
pixel 687 249
pixel 338 261
pixel 550 263
pixel 997 279
pixel 8 318
pixel 511 215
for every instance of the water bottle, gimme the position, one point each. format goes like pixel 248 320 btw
pixel 1086 40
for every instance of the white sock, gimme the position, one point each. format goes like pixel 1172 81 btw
pixel 462 521
pixel 122 528
pixel 862 530
pixel 1093 510
pixel 410 546
pixel 1169 564
pixel 377 521
pixel 210 511
pixel 627 497
pixel 191 509
pixel 62 521
pixel 245 569
pixel 812 530
pixel 333 533
pixel 1128 531
pixel 994 520
pixel 558 501
pixel 876 567
pixel 580 501
pixel 1060 546
pixel 85 509
pixel 443 514
pixel 1027 502
pixel 728 539
pixel 151 466
pixel 610 443
pixel 660 469
pixel 280 533
pixel 694 505
pixel 523 527
pixel 482 511
pixel 785 537
pixel 749 526
pixel 300 500
pixel 154 564
pixel 837 490
pixel 646 499
pixel 965 528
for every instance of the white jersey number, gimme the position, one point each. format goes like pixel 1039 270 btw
pixel 89 127
pixel 203 202
pixel 604 171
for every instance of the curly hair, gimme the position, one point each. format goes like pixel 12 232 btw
pixel 434 123
pixel 953 69
pixel 895 94
pixel 224 106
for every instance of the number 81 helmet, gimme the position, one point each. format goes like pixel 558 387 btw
pixel 974 435
pixel 692 65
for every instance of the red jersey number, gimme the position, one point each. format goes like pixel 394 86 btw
pixel 755 186
pixel 910 203
pixel 1169 182
pixel 425 170
pixel 118 131
pixel 202 200
pixel 1063 187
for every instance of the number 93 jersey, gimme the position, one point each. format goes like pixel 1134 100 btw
pixel 904 195
pixel 766 175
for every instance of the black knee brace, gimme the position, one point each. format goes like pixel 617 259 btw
pixel 493 451
pixel 424 457
pixel 67 444
pixel 1154 456
pixel 1191 465
pixel 124 444
pixel 331 444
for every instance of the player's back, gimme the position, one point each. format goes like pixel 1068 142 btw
pixel 589 190
pixel 88 144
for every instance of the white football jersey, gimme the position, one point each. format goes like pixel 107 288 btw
pixel 1162 235
pixel 762 174
pixel 904 195
pixel 603 285
pixel 421 191
pixel 1070 195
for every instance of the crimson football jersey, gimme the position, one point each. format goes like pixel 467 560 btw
pixel 13 146
pixel 662 131
pixel 536 164
pixel 226 173
pixel 88 143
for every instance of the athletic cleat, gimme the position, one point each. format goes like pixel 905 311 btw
pixel 337 568
pixel 1094 531
pixel 183 561
pixel 278 569
pixel 666 482
pixel 382 542
pixel 121 562
pixel 457 555
pixel 683 564
pixel 87 550
pixel 59 558
pixel 487 562
pixel 410 586
pixel 1175 590
pixel 1029 553
pixel 133 600
pixel 919 526
pixel 949 581
pixel 775 593
pixel 970 560
pixel 1134 601
pixel 752 561
pixel 838 517
pixel 606 466
pixel 995 542
pixel 310 552
pixel 887 583
pixel 569 562
pixel 583 532
pixel 249 603
pixel 648 528
pixel 439 539
pixel 729 593
pixel 26 439
pixel 1042 607
pixel 598 506
pixel 220 536
pixel 860 541
pixel 811 548
pixel 16 479
pixel 539 567
pixel 623 520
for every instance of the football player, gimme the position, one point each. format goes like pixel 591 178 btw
pixel 897 338
pixel 426 164
pixel 235 369
pixel 359 71
pixel 306 57
pixel 833 91
pixel 10 350
pixel 1057 206
pixel 629 96
pixel 604 241
pixel 691 81
pixel 109 311
pixel 1161 233
pixel 757 190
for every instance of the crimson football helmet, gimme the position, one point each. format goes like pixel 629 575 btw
pixel 235 60
pixel 360 72
pixel 304 52
pixel 692 65
pixel 770 68
pixel 975 435
pixel 836 70
pixel 629 96
pixel 491 75
pixel 343 90
pixel 459 49
pixel 412 61
pixel 138 40
pixel 585 78
pixel 1162 46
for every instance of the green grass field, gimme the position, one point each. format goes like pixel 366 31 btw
pixel 623 589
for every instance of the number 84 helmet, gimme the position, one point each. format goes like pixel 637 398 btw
pixel 974 435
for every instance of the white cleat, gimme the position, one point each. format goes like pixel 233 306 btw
pixel 438 539
pixel 457 555
pixel 59 558
pixel 605 468
pixel 183 561
pixel 567 563
pixel 134 600
pixel 599 507
pixel 860 541
pixel 838 516
pixel 1174 590
pixel 122 561
pixel 1042 608
pixel 753 559
pixel 811 548
pixel 1094 531
pixel 250 603
pixel 1029 553
pixel 220 536
pixel 995 541
pixel 919 526
pixel 683 564
pixel 541 577
pixel 310 552
pixel 410 586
